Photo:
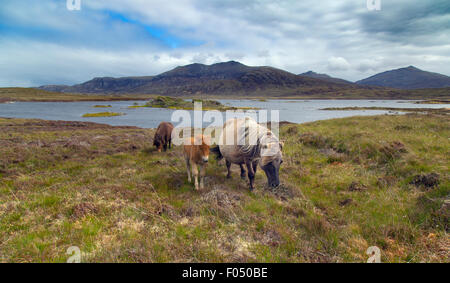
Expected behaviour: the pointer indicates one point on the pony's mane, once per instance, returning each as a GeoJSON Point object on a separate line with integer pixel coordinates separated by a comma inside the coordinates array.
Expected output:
{"type": "Point", "coordinates": [259, 134]}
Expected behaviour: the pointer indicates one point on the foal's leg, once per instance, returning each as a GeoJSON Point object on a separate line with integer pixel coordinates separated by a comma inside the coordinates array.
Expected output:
{"type": "Point", "coordinates": [202, 175]}
{"type": "Point", "coordinates": [242, 171]}
{"type": "Point", "coordinates": [188, 169]}
{"type": "Point", "coordinates": [251, 174]}
{"type": "Point", "coordinates": [228, 169]}
{"type": "Point", "coordinates": [195, 175]}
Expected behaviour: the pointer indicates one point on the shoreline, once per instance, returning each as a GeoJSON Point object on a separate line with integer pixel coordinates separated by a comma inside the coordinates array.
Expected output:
{"type": "Point", "coordinates": [106, 99]}
{"type": "Point", "coordinates": [66, 122]}
{"type": "Point", "coordinates": [36, 95]}
{"type": "Point", "coordinates": [96, 99]}
{"type": "Point", "coordinates": [407, 110]}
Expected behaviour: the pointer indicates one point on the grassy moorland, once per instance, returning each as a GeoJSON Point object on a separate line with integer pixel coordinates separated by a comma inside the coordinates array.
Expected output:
{"type": "Point", "coordinates": [37, 95]}
{"type": "Point", "coordinates": [347, 184]}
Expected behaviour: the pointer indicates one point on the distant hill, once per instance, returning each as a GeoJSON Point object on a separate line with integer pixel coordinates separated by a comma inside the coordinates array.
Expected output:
{"type": "Point", "coordinates": [102, 85]}
{"type": "Point", "coordinates": [233, 79]}
{"type": "Point", "coordinates": [324, 77]}
{"type": "Point", "coordinates": [407, 78]}
{"type": "Point", "coordinates": [221, 78]}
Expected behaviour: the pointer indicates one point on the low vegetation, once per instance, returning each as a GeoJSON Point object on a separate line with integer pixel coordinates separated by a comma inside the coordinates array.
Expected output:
{"type": "Point", "coordinates": [102, 106]}
{"type": "Point", "coordinates": [102, 114]}
{"type": "Point", "coordinates": [348, 184]}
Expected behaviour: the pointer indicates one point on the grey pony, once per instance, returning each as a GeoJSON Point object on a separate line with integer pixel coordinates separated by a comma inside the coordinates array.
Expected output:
{"type": "Point", "coordinates": [244, 142]}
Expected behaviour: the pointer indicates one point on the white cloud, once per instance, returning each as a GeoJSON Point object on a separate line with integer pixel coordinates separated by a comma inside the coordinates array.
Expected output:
{"type": "Point", "coordinates": [338, 64]}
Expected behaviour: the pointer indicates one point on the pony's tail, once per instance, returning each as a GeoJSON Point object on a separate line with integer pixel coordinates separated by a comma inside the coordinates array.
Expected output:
{"type": "Point", "coordinates": [216, 151]}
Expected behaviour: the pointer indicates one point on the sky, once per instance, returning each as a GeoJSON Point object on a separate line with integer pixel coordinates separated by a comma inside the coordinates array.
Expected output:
{"type": "Point", "coordinates": [44, 42]}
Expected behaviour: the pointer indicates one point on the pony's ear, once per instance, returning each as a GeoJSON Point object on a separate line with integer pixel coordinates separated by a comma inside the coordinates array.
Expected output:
{"type": "Point", "coordinates": [281, 145]}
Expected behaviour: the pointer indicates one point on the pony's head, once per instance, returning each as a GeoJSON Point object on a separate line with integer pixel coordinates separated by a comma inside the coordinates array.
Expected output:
{"type": "Point", "coordinates": [271, 159]}
{"type": "Point", "coordinates": [203, 143]}
{"type": "Point", "coordinates": [157, 142]}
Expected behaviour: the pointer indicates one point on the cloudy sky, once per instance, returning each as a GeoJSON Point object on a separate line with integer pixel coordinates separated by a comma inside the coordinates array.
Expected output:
{"type": "Point", "coordinates": [42, 42]}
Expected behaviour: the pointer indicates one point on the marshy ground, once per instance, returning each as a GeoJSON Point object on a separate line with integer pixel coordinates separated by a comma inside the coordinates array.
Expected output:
{"type": "Point", "coordinates": [348, 184]}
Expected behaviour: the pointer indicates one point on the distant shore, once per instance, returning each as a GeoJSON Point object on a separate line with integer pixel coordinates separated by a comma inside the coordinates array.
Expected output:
{"type": "Point", "coordinates": [37, 95]}
{"type": "Point", "coordinates": [416, 110]}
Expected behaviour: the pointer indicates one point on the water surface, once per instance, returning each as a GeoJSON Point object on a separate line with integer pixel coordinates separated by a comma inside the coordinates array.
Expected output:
{"type": "Point", "coordinates": [296, 111]}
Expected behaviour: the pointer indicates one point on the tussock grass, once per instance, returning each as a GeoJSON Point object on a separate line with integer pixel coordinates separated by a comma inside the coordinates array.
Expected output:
{"type": "Point", "coordinates": [106, 191]}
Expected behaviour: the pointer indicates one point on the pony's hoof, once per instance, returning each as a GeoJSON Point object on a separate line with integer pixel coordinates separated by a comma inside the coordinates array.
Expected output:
{"type": "Point", "coordinates": [243, 177]}
{"type": "Point", "coordinates": [228, 176]}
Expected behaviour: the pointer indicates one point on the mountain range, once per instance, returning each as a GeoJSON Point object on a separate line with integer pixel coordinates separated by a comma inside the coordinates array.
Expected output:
{"type": "Point", "coordinates": [234, 78]}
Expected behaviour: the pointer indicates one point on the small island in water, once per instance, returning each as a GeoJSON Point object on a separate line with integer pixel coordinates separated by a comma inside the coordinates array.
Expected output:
{"type": "Point", "coordinates": [182, 104]}
{"type": "Point", "coordinates": [102, 114]}
{"type": "Point", "coordinates": [396, 109]}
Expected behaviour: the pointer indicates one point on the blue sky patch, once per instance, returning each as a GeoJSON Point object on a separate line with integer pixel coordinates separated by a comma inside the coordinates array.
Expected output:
{"type": "Point", "coordinates": [157, 32]}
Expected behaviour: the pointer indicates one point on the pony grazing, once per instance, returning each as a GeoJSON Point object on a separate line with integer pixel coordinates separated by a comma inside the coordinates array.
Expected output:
{"type": "Point", "coordinates": [243, 141]}
{"type": "Point", "coordinates": [163, 136]}
{"type": "Point", "coordinates": [196, 154]}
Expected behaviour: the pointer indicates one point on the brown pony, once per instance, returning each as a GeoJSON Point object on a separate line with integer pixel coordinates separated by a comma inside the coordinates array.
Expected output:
{"type": "Point", "coordinates": [196, 153]}
{"type": "Point", "coordinates": [163, 136]}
